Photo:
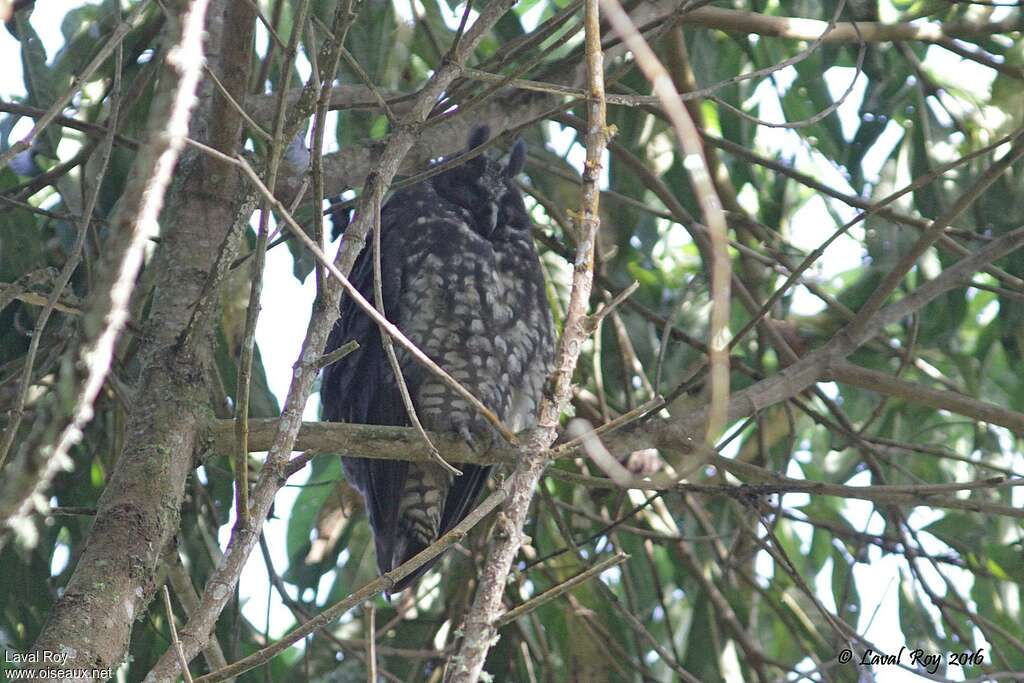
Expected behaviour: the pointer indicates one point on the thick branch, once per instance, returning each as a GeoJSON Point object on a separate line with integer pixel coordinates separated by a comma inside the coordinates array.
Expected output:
{"type": "Point", "coordinates": [890, 385]}
{"type": "Point", "coordinates": [366, 441]}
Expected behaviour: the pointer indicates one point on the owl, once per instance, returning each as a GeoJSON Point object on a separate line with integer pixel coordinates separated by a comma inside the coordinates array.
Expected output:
{"type": "Point", "coordinates": [461, 278]}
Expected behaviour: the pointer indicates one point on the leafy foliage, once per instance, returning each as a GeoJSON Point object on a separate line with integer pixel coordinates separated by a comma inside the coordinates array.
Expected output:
{"type": "Point", "coordinates": [725, 587]}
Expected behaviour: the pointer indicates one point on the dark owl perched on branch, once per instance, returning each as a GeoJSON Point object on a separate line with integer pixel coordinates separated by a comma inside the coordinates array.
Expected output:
{"type": "Point", "coordinates": [460, 277]}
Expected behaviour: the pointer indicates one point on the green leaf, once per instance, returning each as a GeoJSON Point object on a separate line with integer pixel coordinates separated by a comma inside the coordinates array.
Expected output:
{"type": "Point", "coordinates": [38, 79]}
{"type": "Point", "coordinates": [845, 590]}
{"type": "Point", "coordinates": [324, 474]}
{"type": "Point", "coordinates": [960, 531]}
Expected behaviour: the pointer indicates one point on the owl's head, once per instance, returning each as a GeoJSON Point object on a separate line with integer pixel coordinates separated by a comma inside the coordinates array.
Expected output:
{"type": "Point", "coordinates": [484, 190]}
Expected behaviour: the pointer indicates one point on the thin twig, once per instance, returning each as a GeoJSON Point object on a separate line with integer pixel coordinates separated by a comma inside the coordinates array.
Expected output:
{"type": "Point", "coordinates": [254, 127]}
{"type": "Point", "coordinates": [891, 385]}
{"type": "Point", "coordinates": [333, 49]}
{"type": "Point", "coordinates": [371, 642]}
{"type": "Point", "coordinates": [243, 384]}
{"type": "Point", "coordinates": [74, 258]}
{"type": "Point", "coordinates": [368, 82]}
{"type": "Point", "coordinates": [266, 24]}
{"type": "Point", "coordinates": [175, 643]}
{"type": "Point", "coordinates": [611, 305]}
{"type": "Point", "coordinates": [93, 130]}
{"type": "Point", "coordinates": [797, 28]}
{"type": "Point", "coordinates": [619, 422]}
{"type": "Point", "coordinates": [907, 260]}
{"type": "Point", "coordinates": [562, 588]}
{"type": "Point", "coordinates": [338, 353]}
{"type": "Point", "coordinates": [111, 43]}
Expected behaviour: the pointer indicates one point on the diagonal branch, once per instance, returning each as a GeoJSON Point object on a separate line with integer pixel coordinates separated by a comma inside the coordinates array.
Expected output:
{"type": "Point", "coordinates": [890, 385]}
{"type": "Point", "coordinates": [892, 279]}
{"type": "Point", "coordinates": [132, 21]}
{"type": "Point", "coordinates": [794, 379]}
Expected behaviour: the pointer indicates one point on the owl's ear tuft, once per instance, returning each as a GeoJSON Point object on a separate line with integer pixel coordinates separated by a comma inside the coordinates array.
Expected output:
{"type": "Point", "coordinates": [478, 137]}
{"type": "Point", "coordinates": [516, 158]}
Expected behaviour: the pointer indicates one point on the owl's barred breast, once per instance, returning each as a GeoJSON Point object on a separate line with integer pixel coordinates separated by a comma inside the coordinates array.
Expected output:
{"type": "Point", "coordinates": [461, 303]}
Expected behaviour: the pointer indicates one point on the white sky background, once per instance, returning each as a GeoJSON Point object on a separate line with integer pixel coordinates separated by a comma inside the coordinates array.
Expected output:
{"type": "Point", "coordinates": [286, 307]}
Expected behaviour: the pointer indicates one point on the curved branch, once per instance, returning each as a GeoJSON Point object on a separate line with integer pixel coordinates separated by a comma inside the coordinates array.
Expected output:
{"type": "Point", "coordinates": [797, 28]}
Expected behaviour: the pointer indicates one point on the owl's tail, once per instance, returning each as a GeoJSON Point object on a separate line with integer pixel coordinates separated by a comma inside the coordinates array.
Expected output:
{"type": "Point", "coordinates": [418, 522]}
{"type": "Point", "coordinates": [433, 501]}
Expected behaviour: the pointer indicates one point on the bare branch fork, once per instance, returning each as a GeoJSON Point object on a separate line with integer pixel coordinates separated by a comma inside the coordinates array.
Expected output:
{"type": "Point", "coordinates": [792, 380]}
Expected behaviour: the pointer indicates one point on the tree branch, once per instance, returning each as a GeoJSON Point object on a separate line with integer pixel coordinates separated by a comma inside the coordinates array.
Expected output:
{"type": "Point", "coordinates": [378, 585]}
{"type": "Point", "coordinates": [914, 392]}
{"type": "Point", "coordinates": [130, 22]}
{"type": "Point", "coordinates": [794, 379]}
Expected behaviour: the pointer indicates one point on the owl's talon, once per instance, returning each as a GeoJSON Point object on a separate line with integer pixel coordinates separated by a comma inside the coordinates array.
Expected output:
{"type": "Point", "coordinates": [467, 436]}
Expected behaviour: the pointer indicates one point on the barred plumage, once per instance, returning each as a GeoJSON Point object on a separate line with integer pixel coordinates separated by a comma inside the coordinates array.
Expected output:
{"type": "Point", "coordinates": [461, 278]}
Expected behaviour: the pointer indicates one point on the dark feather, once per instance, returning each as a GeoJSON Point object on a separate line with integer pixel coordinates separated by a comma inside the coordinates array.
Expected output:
{"type": "Point", "coordinates": [516, 158]}
{"type": "Point", "coordinates": [479, 136]}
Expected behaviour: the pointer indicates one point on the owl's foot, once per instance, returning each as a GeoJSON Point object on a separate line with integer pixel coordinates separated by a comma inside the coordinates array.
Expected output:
{"type": "Point", "coordinates": [478, 434]}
